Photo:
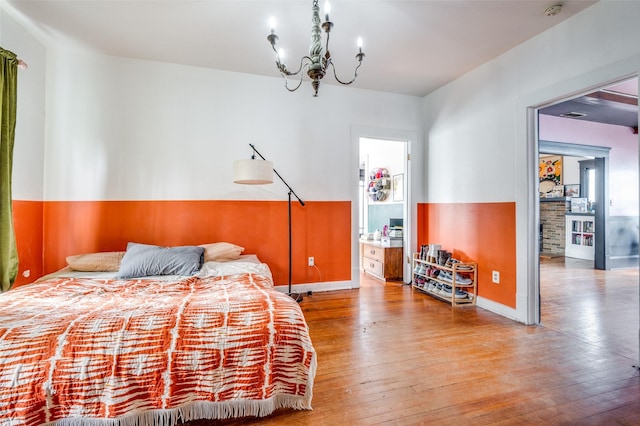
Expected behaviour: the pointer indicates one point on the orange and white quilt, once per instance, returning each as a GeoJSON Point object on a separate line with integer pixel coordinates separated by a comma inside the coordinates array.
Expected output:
{"type": "Point", "coordinates": [135, 352]}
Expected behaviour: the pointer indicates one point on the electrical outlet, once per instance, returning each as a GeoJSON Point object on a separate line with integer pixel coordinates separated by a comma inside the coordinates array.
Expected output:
{"type": "Point", "coordinates": [495, 277]}
{"type": "Point", "coordinates": [312, 261]}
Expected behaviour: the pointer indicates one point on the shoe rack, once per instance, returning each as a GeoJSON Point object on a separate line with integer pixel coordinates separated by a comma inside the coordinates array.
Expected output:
{"type": "Point", "coordinates": [453, 281]}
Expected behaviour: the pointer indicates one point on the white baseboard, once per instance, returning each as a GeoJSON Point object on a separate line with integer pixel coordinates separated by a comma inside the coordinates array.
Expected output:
{"type": "Point", "coordinates": [316, 287]}
{"type": "Point", "coordinates": [497, 308]}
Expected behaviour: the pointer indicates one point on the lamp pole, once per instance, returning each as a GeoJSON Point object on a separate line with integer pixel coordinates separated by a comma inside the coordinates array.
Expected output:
{"type": "Point", "coordinates": [296, 296]}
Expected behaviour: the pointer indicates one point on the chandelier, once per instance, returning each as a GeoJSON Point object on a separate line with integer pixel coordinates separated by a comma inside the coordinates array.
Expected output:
{"type": "Point", "coordinates": [316, 63]}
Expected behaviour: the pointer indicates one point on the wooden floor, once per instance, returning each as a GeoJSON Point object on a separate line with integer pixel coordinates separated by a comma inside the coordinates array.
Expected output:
{"type": "Point", "coordinates": [391, 355]}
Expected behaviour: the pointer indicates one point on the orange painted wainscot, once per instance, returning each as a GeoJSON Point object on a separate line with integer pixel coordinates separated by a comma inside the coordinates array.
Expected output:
{"type": "Point", "coordinates": [321, 229]}
{"type": "Point", "coordinates": [27, 224]}
{"type": "Point", "coordinates": [481, 232]}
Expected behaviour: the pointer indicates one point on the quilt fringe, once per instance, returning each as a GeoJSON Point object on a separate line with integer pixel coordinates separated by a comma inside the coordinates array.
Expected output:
{"type": "Point", "coordinates": [196, 411]}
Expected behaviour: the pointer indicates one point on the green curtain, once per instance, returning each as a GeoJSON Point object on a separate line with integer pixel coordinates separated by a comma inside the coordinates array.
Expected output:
{"type": "Point", "coordinates": [8, 102]}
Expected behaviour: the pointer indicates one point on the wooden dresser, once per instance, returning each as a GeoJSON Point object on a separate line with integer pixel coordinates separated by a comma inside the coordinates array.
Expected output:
{"type": "Point", "coordinates": [384, 263]}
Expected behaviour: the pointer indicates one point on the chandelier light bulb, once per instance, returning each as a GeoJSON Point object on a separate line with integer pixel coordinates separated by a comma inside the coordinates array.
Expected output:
{"type": "Point", "coordinates": [359, 43]}
{"type": "Point", "coordinates": [272, 24]}
{"type": "Point", "coordinates": [281, 54]}
{"type": "Point", "coordinates": [327, 10]}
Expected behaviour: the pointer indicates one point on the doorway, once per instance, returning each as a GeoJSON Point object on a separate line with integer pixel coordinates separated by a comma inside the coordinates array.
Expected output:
{"type": "Point", "coordinates": [574, 220]}
{"type": "Point", "coordinates": [607, 143]}
{"type": "Point", "coordinates": [383, 197]}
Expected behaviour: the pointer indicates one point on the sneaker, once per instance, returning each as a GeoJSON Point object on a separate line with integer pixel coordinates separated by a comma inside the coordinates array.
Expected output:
{"type": "Point", "coordinates": [419, 269]}
{"type": "Point", "coordinates": [461, 294]}
{"type": "Point", "coordinates": [445, 276]}
{"type": "Point", "coordinates": [446, 291]}
{"type": "Point", "coordinates": [464, 267]}
{"type": "Point", "coordinates": [460, 279]}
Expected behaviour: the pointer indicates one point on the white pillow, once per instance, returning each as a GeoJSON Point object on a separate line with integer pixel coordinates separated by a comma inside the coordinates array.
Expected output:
{"type": "Point", "coordinates": [219, 269]}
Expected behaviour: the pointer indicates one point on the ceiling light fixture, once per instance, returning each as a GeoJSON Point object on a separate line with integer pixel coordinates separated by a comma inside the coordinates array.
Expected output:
{"type": "Point", "coordinates": [315, 64]}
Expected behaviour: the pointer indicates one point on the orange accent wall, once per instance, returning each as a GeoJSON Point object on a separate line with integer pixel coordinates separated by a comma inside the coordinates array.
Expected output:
{"type": "Point", "coordinates": [27, 224]}
{"type": "Point", "coordinates": [481, 232]}
{"type": "Point", "coordinates": [320, 229]}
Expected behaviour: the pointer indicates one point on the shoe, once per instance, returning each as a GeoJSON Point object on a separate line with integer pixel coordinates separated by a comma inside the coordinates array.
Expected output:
{"type": "Point", "coordinates": [464, 267]}
{"type": "Point", "coordinates": [461, 294]}
{"type": "Point", "coordinates": [446, 291]}
{"type": "Point", "coordinates": [423, 251]}
{"type": "Point", "coordinates": [460, 279]}
{"type": "Point", "coordinates": [459, 265]}
{"type": "Point", "coordinates": [419, 269]}
{"type": "Point", "coordinates": [445, 276]}
{"type": "Point", "coordinates": [443, 257]}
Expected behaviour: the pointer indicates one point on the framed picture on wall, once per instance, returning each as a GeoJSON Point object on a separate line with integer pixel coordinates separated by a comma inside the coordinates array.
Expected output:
{"type": "Point", "coordinates": [550, 168]}
{"type": "Point", "coordinates": [398, 187]}
{"type": "Point", "coordinates": [572, 190]}
{"type": "Point", "coordinates": [556, 192]}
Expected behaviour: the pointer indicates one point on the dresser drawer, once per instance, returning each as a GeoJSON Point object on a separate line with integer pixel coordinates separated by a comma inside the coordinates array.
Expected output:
{"type": "Point", "coordinates": [375, 253]}
{"type": "Point", "coordinates": [373, 266]}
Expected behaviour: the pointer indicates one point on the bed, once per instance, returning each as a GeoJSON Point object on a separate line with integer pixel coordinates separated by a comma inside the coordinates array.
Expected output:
{"type": "Point", "coordinates": [91, 347]}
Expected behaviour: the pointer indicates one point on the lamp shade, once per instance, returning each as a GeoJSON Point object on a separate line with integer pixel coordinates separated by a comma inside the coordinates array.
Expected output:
{"type": "Point", "coordinates": [252, 172]}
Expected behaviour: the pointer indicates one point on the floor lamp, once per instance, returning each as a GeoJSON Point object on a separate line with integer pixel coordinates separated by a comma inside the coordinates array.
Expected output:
{"type": "Point", "coordinates": [260, 172]}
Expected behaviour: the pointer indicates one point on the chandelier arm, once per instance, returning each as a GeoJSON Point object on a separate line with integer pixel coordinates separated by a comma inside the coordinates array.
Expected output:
{"type": "Point", "coordinates": [283, 68]}
{"type": "Point", "coordinates": [286, 81]}
{"type": "Point", "coordinates": [355, 74]}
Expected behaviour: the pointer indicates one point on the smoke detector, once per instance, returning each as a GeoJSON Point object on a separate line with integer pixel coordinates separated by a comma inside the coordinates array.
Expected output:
{"type": "Point", "coordinates": [553, 10]}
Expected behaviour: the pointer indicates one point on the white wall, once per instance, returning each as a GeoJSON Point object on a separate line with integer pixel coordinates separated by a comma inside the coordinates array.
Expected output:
{"type": "Point", "coordinates": [133, 129]}
{"type": "Point", "coordinates": [571, 170]}
{"type": "Point", "coordinates": [379, 153]}
{"type": "Point", "coordinates": [479, 122]}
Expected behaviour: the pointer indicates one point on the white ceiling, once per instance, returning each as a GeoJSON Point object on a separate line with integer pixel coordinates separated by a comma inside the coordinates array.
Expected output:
{"type": "Point", "coordinates": [411, 47]}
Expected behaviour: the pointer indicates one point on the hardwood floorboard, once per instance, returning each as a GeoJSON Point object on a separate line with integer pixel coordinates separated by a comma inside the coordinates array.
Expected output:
{"type": "Point", "coordinates": [390, 356]}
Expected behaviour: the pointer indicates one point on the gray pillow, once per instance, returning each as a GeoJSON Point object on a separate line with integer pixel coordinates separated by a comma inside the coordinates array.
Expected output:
{"type": "Point", "coordinates": [142, 260]}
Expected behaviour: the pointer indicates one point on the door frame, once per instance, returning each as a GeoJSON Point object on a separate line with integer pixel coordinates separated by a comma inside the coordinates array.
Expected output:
{"type": "Point", "coordinates": [410, 140]}
{"type": "Point", "coordinates": [531, 104]}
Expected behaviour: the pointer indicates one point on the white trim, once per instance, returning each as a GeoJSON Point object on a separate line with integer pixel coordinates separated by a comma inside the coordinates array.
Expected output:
{"type": "Point", "coordinates": [497, 308]}
{"type": "Point", "coordinates": [317, 287]}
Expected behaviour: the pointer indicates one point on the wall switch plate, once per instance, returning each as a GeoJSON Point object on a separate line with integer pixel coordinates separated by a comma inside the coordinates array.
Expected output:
{"type": "Point", "coordinates": [495, 277]}
{"type": "Point", "coordinates": [312, 261]}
